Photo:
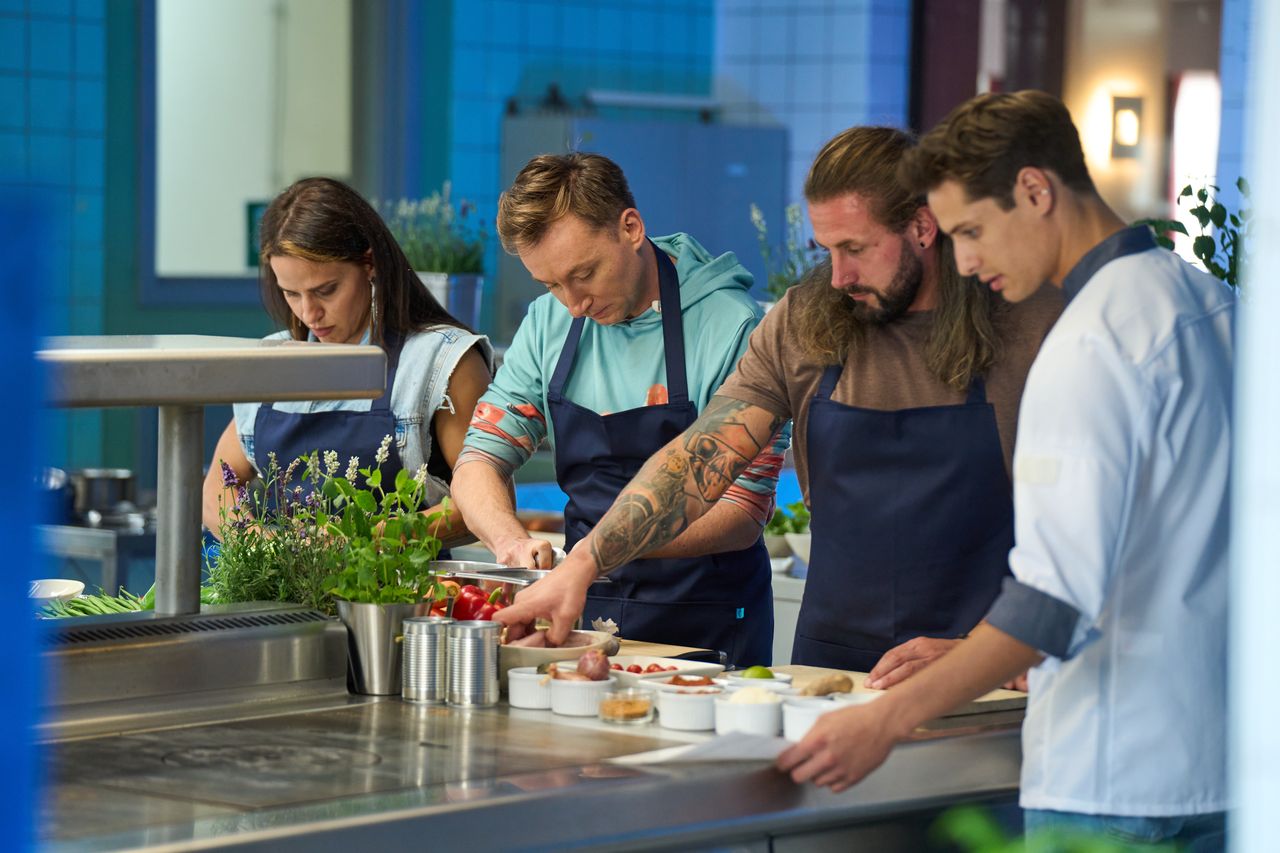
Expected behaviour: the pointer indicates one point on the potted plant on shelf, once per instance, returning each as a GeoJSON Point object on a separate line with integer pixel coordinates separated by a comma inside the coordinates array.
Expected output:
{"type": "Point", "coordinates": [347, 542]}
{"type": "Point", "coordinates": [445, 246]}
{"type": "Point", "coordinates": [786, 264]}
{"type": "Point", "coordinates": [787, 533]}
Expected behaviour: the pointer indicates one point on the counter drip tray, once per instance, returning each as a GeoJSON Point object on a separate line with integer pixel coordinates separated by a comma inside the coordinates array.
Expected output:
{"type": "Point", "coordinates": [137, 671]}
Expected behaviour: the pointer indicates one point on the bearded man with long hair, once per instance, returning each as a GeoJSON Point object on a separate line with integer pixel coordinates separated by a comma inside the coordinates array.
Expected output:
{"type": "Point", "coordinates": [903, 379]}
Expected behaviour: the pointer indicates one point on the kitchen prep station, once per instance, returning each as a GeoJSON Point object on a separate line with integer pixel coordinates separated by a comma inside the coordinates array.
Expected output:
{"type": "Point", "coordinates": [231, 726]}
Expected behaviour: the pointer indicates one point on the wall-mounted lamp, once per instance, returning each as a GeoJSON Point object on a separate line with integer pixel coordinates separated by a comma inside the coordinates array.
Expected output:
{"type": "Point", "coordinates": [1126, 127]}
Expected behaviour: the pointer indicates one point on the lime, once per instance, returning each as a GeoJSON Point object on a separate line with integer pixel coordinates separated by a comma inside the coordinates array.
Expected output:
{"type": "Point", "coordinates": [757, 672]}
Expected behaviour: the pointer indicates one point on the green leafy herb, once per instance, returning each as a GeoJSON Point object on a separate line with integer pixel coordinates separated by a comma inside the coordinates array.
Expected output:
{"type": "Point", "coordinates": [794, 518]}
{"type": "Point", "coordinates": [434, 236]}
{"type": "Point", "coordinates": [786, 264]}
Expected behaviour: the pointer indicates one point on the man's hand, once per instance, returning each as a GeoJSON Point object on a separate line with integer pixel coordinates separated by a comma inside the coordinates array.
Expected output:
{"type": "Point", "coordinates": [842, 747]}
{"type": "Point", "coordinates": [559, 597]}
{"type": "Point", "coordinates": [525, 552]}
{"type": "Point", "coordinates": [902, 662]}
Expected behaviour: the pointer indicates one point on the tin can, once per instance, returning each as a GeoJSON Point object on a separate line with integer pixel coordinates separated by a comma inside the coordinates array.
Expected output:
{"type": "Point", "coordinates": [473, 663]}
{"type": "Point", "coordinates": [425, 658]}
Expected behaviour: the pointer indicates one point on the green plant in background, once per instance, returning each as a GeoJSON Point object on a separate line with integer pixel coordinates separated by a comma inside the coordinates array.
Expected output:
{"type": "Point", "coordinates": [1223, 242]}
{"type": "Point", "coordinates": [974, 830]}
{"type": "Point", "coordinates": [436, 237]}
{"type": "Point", "coordinates": [794, 518]}
{"type": "Point", "coordinates": [307, 545]}
{"type": "Point", "coordinates": [793, 258]}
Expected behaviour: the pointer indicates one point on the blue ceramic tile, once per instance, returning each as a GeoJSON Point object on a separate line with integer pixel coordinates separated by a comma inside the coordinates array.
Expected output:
{"type": "Point", "coordinates": [13, 44]}
{"type": "Point", "coordinates": [13, 101]}
{"type": "Point", "coordinates": [810, 83]}
{"type": "Point", "coordinates": [91, 9]}
{"type": "Point", "coordinates": [580, 29]}
{"type": "Point", "coordinates": [91, 105]}
{"type": "Point", "coordinates": [90, 48]}
{"type": "Point", "coordinates": [49, 159]}
{"type": "Point", "coordinates": [50, 107]}
{"type": "Point", "coordinates": [13, 6]}
{"type": "Point", "coordinates": [86, 217]}
{"type": "Point", "coordinates": [90, 155]}
{"type": "Point", "coordinates": [13, 156]}
{"type": "Point", "coordinates": [506, 23]}
{"type": "Point", "coordinates": [53, 8]}
{"type": "Point", "coordinates": [50, 46]}
{"type": "Point", "coordinates": [542, 28]}
{"type": "Point", "coordinates": [469, 21]}
{"type": "Point", "coordinates": [86, 273]}
{"type": "Point", "coordinates": [610, 29]}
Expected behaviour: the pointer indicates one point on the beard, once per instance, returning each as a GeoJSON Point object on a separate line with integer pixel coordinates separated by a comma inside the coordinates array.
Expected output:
{"type": "Point", "coordinates": [894, 301]}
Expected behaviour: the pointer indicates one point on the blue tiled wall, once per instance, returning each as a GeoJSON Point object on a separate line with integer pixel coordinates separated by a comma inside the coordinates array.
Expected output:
{"type": "Point", "coordinates": [815, 67]}
{"type": "Point", "coordinates": [52, 123]}
{"type": "Point", "coordinates": [515, 48]}
{"type": "Point", "coordinates": [1234, 75]}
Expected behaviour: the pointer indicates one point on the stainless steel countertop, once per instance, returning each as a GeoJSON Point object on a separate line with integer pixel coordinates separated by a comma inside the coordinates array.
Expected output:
{"type": "Point", "coordinates": [361, 773]}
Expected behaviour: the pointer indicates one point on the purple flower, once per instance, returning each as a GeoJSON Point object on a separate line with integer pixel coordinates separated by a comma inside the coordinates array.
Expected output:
{"type": "Point", "coordinates": [229, 478]}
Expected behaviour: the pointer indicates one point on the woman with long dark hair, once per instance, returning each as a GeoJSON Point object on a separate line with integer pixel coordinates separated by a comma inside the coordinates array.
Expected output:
{"type": "Point", "coordinates": [332, 272]}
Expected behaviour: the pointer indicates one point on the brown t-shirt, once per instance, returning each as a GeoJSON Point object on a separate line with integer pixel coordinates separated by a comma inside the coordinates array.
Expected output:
{"type": "Point", "coordinates": [887, 371]}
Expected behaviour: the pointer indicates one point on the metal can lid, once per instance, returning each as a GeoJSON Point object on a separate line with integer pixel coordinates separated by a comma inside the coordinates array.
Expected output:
{"type": "Point", "coordinates": [474, 628]}
{"type": "Point", "coordinates": [426, 624]}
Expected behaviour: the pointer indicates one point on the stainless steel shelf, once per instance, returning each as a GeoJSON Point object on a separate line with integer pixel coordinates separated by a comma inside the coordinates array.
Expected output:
{"type": "Point", "coordinates": [157, 370]}
{"type": "Point", "coordinates": [180, 374]}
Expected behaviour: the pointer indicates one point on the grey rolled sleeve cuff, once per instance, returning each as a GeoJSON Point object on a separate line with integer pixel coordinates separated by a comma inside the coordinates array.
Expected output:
{"type": "Point", "coordinates": [1043, 622]}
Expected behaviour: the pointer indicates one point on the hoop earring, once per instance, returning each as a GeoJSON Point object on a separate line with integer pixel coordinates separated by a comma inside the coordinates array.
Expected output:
{"type": "Point", "coordinates": [373, 304]}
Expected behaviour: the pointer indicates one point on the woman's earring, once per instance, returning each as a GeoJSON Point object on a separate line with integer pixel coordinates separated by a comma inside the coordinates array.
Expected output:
{"type": "Point", "coordinates": [373, 301]}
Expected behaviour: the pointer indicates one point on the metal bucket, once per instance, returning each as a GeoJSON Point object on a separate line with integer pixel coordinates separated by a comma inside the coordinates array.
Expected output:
{"type": "Point", "coordinates": [374, 634]}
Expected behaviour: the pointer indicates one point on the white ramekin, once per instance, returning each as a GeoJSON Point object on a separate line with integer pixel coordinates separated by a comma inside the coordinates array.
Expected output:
{"type": "Point", "coordinates": [578, 698]}
{"type": "Point", "coordinates": [688, 710]}
{"type": "Point", "coordinates": [757, 719]}
{"type": "Point", "coordinates": [799, 713]}
{"type": "Point", "coordinates": [528, 688]}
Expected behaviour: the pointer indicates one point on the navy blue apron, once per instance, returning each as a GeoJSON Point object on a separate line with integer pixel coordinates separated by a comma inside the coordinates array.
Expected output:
{"type": "Point", "coordinates": [912, 525]}
{"type": "Point", "coordinates": [351, 433]}
{"type": "Point", "coordinates": [721, 601]}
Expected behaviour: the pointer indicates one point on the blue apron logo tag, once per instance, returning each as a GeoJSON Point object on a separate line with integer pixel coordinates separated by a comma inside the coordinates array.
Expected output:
{"type": "Point", "coordinates": [742, 611]}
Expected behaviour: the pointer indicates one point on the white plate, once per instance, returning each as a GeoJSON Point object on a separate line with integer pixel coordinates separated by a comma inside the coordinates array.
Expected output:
{"type": "Point", "coordinates": [682, 667]}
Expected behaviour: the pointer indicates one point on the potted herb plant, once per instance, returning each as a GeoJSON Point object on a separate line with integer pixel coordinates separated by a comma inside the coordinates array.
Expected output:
{"type": "Point", "coordinates": [445, 246]}
{"type": "Point", "coordinates": [336, 539]}
{"type": "Point", "coordinates": [787, 532]}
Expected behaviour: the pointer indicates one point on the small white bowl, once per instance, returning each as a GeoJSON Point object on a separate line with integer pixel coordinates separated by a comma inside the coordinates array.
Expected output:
{"type": "Point", "coordinates": [780, 683]}
{"type": "Point", "coordinates": [528, 688]}
{"type": "Point", "coordinates": [43, 592]}
{"type": "Point", "coordinates": [800, 543]}
{"type": "Point", "coordinates": [860, 698]}
{"type": "Point", "coordinates": [578, 698]}
{"type": "Point", "coordinates": [688, 709]}
{"type": "Point", "coordinates": [801, 712]}
{"type": "Point", "coordinates": [755, 719]}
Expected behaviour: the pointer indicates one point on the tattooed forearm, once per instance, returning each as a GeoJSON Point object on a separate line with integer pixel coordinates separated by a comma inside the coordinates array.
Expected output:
{"type": "Point", "coordinates": [681, 481]}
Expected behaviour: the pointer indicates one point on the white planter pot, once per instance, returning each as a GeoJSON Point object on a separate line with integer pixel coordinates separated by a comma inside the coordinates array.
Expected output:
{"type": "Point", "coordinates": [461, 294]}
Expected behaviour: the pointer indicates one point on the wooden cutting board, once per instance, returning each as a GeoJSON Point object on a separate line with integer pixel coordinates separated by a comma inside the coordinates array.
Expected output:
{"type": "Point", "coordinates": [996, 700]}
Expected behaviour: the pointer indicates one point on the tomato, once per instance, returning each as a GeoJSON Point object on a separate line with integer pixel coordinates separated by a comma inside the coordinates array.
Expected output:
{"type": "Point", "coordinates": [635, 667]}
{"type": "Point", "coordinates": [671, 669]}
{"type": "Point", "coordinates": [653, 667]}
{"type": "Point", "coordinates": [617, 666]}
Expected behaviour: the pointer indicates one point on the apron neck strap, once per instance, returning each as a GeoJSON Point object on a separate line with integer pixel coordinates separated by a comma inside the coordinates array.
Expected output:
{"type": "Point", "coordinates": [672, 337]}
{"type": "Point", "coordinates": [977, 391]}
{"type": "Point", "coordinates": [393, 345]}
{"type": "Point", "coordinates": [830, 377]}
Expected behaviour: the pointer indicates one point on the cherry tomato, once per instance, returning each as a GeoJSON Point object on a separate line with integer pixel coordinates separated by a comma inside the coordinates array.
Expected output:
{"type": "Point", "coordinates": [617, 666]}
{"type": "Point", "coordinates": [653, 667]}
{"type": "Point", "coordinates": [671, 669]}
{"type": "Point", "coordinates": [635, 667]}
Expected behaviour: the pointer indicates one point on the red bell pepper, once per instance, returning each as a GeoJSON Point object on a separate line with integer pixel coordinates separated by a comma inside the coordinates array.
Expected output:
{"type": "Point", "coordinates": [469, 601]}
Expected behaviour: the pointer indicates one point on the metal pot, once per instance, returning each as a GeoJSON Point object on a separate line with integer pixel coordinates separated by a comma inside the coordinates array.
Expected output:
{"type": "Point", "coordinates": [102, 489]}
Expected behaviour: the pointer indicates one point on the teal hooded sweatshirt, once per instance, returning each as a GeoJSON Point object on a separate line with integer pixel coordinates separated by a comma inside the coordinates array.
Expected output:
{"type": "Point", "coordinates": [623, 366]}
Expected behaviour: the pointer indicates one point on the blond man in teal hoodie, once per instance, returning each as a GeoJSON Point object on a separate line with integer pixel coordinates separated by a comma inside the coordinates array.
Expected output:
{"type": "Point", "coordinates": [626, 349]}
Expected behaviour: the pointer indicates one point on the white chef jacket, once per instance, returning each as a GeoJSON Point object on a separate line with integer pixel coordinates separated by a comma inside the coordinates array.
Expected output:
{"type": "Point", "coordinates": [1121, 508]}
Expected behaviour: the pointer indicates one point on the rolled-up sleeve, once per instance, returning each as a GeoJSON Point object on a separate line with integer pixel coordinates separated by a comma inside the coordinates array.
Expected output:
{"type": "Point", "coordinates": [509, 421]}
{"type": "Point", "coordinates": [1075, 450]}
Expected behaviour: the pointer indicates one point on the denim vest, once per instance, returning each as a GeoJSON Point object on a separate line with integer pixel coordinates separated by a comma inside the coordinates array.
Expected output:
{"type": "Point", "coordinates": [421, 389]}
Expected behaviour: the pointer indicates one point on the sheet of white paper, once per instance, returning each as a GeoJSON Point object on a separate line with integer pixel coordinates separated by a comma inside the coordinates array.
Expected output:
{"type": "Point", "coordinates": [730, 747]}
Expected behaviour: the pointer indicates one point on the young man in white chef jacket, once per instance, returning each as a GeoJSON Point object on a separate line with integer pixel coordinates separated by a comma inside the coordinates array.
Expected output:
{"type": "Point", "coordinates": [1121, 481]}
